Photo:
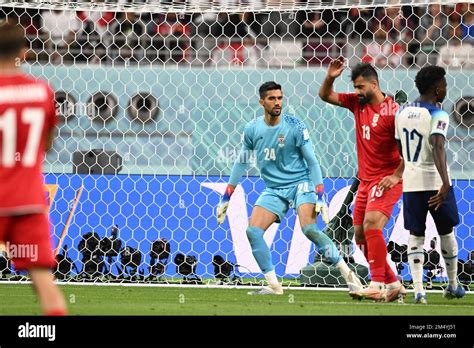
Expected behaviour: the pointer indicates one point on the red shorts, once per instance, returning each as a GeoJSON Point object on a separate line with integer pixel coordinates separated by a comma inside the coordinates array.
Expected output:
{"type": "Point", "coordinates": [28, 241]}
{"type": "Point", "coordinates": [370, 198]}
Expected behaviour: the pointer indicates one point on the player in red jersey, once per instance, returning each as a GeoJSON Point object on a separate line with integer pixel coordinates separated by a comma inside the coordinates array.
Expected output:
{"type": "Point", "coordinates": [380, 171]}
{"type": "Point", "coordinates": [27, 120]}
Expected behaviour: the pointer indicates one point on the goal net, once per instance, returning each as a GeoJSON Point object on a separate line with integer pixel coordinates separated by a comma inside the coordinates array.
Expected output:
{"type": "Point", "coordinates": [153, 97]}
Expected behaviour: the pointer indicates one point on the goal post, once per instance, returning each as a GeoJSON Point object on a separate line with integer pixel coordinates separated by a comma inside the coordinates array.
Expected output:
{"type": "Point", "coordinates": [153, 97]}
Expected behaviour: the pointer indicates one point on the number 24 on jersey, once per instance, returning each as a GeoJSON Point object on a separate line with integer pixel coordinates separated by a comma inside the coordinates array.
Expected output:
{"type": "Point", "coordinates": [269, 154]}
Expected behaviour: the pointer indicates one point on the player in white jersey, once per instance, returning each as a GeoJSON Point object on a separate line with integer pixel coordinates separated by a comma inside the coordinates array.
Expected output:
{"type": "Point", "coordinates": [420, 130]}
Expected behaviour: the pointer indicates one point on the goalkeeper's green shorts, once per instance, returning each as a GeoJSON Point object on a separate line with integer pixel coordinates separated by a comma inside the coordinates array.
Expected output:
{"type": "Point", "coordinates": [278, 201]}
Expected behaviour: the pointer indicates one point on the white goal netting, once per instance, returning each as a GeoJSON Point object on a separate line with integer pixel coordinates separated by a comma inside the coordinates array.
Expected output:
{"type": "Point", "coordinates": [153, 97]}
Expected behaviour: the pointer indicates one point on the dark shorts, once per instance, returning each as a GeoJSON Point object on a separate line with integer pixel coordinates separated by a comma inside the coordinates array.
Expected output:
{"type": "Point", "coordinates": [415, 209]}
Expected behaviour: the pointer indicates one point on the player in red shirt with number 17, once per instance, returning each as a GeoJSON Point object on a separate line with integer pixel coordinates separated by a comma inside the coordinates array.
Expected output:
{"type": "Point", "coordinates": [27, 120]}
{"type": "Point", "coordinates": [380, 171]}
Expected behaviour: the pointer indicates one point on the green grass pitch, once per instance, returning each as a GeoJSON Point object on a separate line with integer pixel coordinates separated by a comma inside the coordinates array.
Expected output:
{"type": "Point", "coordinates": [19, 299]}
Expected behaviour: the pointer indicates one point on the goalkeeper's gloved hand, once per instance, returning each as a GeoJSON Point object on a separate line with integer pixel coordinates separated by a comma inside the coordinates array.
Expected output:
{"type": "Point", "coordinates": [321, 205]}
{"type": "Point", "coordinates": [224, 204]}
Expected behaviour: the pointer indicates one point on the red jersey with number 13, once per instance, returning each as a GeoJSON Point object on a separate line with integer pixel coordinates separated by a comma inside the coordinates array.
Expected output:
{"type": "Point", "coordinates": [27, 114]}
{"type": "Point", "coordinates": [377, 151]}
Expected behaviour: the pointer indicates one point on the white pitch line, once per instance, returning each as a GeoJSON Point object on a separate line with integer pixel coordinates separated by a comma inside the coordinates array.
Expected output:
{"type": "Point", "coordinates": [297, 302]}
{"type": "Point", "coordinates": [205, 286]}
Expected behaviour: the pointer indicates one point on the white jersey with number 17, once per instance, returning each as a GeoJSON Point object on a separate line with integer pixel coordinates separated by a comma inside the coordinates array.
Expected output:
{"type": "Point", "coordinates": [414, 124]}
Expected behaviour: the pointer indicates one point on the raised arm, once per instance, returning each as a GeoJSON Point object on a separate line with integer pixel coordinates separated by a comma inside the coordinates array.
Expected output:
{"type": "Point", "coordinates": [326, 91]}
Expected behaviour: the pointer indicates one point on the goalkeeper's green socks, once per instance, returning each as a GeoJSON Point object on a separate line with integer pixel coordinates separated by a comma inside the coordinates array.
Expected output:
{"type": "Point", "coordinates": [260, 249]}
{"type": "Point", "coordinates": [262, 255]}
{"type": "Point", "coordinates": [324, 244]}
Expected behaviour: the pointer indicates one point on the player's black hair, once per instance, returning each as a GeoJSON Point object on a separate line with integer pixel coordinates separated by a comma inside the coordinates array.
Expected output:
{"type": "Point", "coordinates": [268, 86]}
{"type": "Point", "coordinates": [365, 70]}
{"type": "Point", "coordinates": [12, 39]}
{"type": "Point", "coordinates": [428, 77]}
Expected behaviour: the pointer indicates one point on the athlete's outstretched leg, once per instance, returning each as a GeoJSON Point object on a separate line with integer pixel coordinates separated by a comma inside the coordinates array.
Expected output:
{"type": "Point", "coordinates": [260, 220]}
{"type": "Point", "coordinates": [325, 245]}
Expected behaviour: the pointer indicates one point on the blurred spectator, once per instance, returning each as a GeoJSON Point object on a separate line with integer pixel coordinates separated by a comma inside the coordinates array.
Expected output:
{"type": "Point", "coordinates": [314, 25]}
{"type": "Point", "coordinates": [399, 28]}
{"type": "Point", "coordinates": [433, 25]}
{"type": "Point", "coordinates": [456, 53]}
{"type": "Point", "coordinates": [381, 52]}
{"type": "Point", "coordinates": [95, 22]}
{"type": "Point", "coordinates": [30, 20]}
{"type": "Point", "coordinates": [91, 36]}
{"type": "Point", "coordinates": [358, 23]}
{"type": "Point", "coordinates": [232, 25]}
{"type": "Point", "coordinates": [254, 26]}
{"type": "Point", "coordinates": [208, 28]}
{"type": "Point", "coordinates": [60, 28]}
{"type": "Point", "coordinates": [125, 33]}
{"type": "Point", "coordinates": [205, 28]}
{"type": "Point", "coordinates": [327, 23]}
{"type": "Point", "coordinates": [230, 37]}
{"type": "Point", "coordinates": [244, 53]}
{"type": "Point", "coordinates": [128, 24]}
{"type": "Point", "coordinates": [237, 45]}
{"type": "Point", "coordinates": [172, 26]}
{"type": "Point", "coordinates": [334, 20]}
{"type": "Point", "coordinates": [432, 33]}
{"type": "Point", "coordinates": [279, 24]}
{"type": "Point", "coordinates": [176, 39]}
{"type": "Point", "coordinates": [324, 34]}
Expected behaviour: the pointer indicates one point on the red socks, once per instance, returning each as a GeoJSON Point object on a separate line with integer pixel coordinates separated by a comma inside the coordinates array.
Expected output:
{"type": "Point", "coordinates": [363, 247]}
{"type": "Point", "coordinates": [388, 275]}
{"type": "Point", "coordinates": [56, 313]}
{"type": "Point", "coordinates": [377, 254]}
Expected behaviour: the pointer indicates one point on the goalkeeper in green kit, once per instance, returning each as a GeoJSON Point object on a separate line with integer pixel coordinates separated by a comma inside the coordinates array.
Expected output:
{"type": "Point", "coordinates": [292, 176]}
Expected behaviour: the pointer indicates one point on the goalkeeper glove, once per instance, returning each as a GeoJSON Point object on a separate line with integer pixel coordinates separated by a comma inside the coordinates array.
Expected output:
{"type": "Point", "coordinates": [321, 205]}
{"type": "Point", "coordinates": [224, 204]}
